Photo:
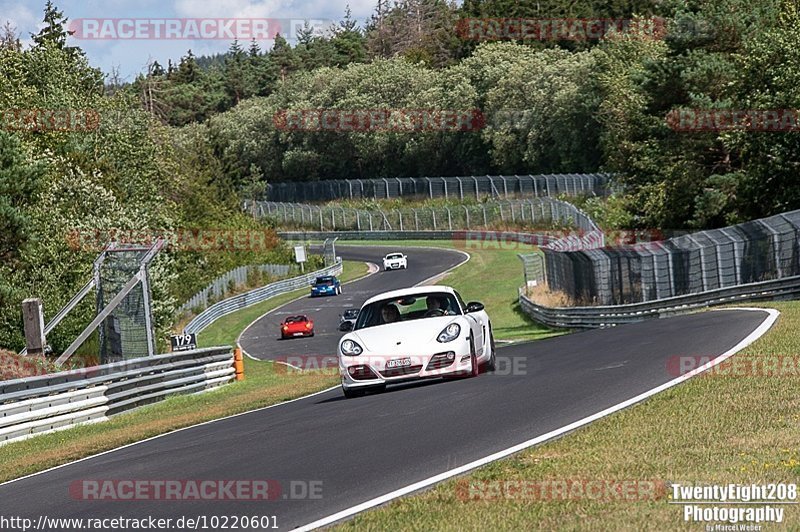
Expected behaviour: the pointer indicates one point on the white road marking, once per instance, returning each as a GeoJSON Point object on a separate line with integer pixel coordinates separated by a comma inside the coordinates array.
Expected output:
{"type": "Point", "coordinates": [772, 315]}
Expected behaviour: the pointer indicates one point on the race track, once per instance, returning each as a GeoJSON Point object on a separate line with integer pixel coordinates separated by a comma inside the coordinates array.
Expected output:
{"type": "Point", "coordinates": [262, 339]}
{"type": "Point", "coordinates": [363, 448]}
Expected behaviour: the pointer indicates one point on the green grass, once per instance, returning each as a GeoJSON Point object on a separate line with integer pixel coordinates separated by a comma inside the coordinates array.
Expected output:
{"type": "Point", "coordinates": [226, 330]}
{"type": "Point", "coordinates": [263, 386]}
{"type": "Point", "coordinates": [710, 430]}
{"type": "Point", "coordinates": [492, 276]}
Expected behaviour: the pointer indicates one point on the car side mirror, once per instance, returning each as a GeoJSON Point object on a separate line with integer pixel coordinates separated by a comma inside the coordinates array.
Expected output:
{"type": "Point", "coordinates": [346, 326]}
{"type": "Point", "coordinates": [474, 306]}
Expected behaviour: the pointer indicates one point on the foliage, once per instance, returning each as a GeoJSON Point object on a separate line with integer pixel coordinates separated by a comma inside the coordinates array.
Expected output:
{"type": "Point", "coordinates": [59, 188]}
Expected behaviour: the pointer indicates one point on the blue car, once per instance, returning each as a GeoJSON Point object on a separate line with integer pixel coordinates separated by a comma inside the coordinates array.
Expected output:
{"type": "Point", "coordinates": [326, 286]}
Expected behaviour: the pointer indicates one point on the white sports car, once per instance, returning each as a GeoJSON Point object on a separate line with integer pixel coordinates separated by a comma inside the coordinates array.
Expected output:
{"type": "Point", "coordinates": [395, 261]}
{"type": "Point", "coordinates": [415, 333]}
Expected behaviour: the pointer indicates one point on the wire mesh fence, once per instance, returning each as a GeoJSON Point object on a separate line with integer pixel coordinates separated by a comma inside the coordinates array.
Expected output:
{"type": "Point", "coordinates": [751, 252]}
{"type": "Point", "coordinates": [543, 212]}
{"type": "Point", "coordinates": [533, 268]}
{"type": "Point", "coordinates": [128, 330]}
{"type": "Point", "coordinates": [442, 187]}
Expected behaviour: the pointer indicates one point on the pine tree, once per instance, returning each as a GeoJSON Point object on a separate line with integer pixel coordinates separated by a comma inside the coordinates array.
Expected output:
{"type": "Point", "coordinates": [9, 38]}
{"type": "Point", "coordinates": [284, 56]}
{"type": "Point", "coordinates": [54, 33]}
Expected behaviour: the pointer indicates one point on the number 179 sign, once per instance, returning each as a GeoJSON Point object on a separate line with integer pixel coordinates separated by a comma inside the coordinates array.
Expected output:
{"type": "Point", "coordinates": [183, 342]}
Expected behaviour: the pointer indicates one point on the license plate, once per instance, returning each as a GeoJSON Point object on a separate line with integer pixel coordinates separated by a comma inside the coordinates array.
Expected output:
{"type": "Point", "coordinates": [398, 363]}
{"type": "Point", "coordinates": [298, 334]}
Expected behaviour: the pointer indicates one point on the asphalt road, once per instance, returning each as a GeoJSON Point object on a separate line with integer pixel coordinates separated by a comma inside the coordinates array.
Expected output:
{"type": "Point", "coordinates": [354, 450]}
{"type": "Point", "coordinates": [262, 339]}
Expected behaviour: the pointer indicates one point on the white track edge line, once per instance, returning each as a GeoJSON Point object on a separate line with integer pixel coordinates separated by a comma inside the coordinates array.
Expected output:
{"type": "Point", "coordinates": [157, 436]}
{"type": "Point", "coordinates": [298, 298]}
{"type": "Point", "coordinates": [772, 316]}
{"type": "Point", "coordinates": [205, 422]}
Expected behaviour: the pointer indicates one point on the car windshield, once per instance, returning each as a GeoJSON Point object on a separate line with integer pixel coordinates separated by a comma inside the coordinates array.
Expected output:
{"type": "Point", "coordinates": [406, 308]}
{"type": "Point", "coordinates": [295, 319]}
{"type": "Point", "coordinates": [324, 281]}
{"type": "Point", "coordinates": [394, 256]}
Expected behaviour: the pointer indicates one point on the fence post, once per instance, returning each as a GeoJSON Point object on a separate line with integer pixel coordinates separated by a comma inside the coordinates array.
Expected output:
{"type": "Point", "coordinates": [33, 322]}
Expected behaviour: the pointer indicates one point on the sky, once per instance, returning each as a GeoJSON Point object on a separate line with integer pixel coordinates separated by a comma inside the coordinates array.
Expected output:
{"type": "Point", "coordinates": [103, 25]}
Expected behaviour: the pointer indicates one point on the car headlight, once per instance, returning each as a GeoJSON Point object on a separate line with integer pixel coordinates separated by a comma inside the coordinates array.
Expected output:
{"type": "Point", "coordinates": [350, 348]}
{"type": "Point", "coordinates": [449, 333]}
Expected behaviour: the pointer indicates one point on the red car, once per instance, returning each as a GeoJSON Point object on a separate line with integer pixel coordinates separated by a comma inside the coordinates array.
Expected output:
{"type": "Point", "coordinates": [297, 326]}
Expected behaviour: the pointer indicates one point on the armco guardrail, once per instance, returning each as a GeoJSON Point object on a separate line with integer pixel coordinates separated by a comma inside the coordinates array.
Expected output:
{"type": "Point", "coordinates": [609, 316]}
{"type": "Point", "coordinates": [237, 276]}
{"type": "Point", "coordinates": [35, 405]}
{"type": "Point", "coordinates": [232, 304]}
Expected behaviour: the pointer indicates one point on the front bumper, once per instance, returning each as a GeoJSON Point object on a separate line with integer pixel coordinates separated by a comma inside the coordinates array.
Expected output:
{"type": "Point", "coordinates": [393, 265]}
{"type": "Point", "coordinates": [370, 370]}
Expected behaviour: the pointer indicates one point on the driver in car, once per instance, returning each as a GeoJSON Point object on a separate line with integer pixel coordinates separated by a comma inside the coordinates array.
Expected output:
{"type": "Point", "coordinates": [390, 313]}
{"type": "Point", "coordinates": [436, 306]}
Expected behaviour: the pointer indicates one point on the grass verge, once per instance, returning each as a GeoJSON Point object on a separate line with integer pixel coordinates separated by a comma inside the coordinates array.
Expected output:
{"type": "Point", "coordinates": [226, 330]}
{"type": "Point", "coordinates": [729, 426]}
{"type": "Point", "coordinates": [262, 387]}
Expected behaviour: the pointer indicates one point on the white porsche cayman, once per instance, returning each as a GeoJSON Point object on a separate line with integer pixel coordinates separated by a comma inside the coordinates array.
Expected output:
{"type": "Point", "coordinates": [415, 333]}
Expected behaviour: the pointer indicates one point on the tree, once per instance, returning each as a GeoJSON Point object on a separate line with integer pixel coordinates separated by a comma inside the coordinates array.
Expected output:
{"type": "Point", "coordinates": [254, 187]}
{"type": "Point", "coordinates": [9, 39]}
{"type": "Point", "coordinates": [284, 57]}
{"type": "Point", "coordinates": [19, 180]}
{"type": "Point", "coordinates": [54, 33]}
{"type": "Point", "coordinates": [235, 74]}
{"type": "Point", "coordinates": [421, 30]}
{"type": "Point", "coordinates": [348, 41]}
